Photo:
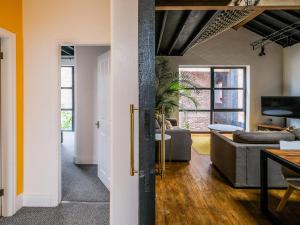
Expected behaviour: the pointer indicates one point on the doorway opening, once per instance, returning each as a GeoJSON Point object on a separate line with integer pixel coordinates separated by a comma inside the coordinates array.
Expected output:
{"type": "Point", "coordinates": [85, 124]}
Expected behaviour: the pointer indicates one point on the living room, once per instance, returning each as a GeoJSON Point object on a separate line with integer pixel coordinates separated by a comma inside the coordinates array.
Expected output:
{"type": "Point", "coordinates": [224, 86]}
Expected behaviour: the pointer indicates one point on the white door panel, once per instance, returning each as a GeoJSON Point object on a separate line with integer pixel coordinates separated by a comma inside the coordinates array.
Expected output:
{"type": "Point", "coordinates": [102, 115]}
{"type": "Point", "coordinates": [125, 91]}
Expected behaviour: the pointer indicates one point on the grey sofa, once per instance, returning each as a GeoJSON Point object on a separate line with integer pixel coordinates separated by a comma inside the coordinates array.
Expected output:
{"type": "Point", "coordinates": [181, 141]}
{"type": "Point", "coordinates": [240, 162]}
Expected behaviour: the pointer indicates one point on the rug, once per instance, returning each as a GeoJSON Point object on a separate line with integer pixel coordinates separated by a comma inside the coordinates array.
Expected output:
{"type": "Point", "coordinates": [80, 183]}
{"type": "Point", "coordinates": [201, 143]}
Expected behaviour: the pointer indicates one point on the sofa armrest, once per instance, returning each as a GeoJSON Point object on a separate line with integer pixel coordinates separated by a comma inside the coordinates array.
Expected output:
{"type": "Point", "coordinates": [181, 141]}
{"type": "Point", "coordinates": [240, 162]}
{"type": "Point", "coordinates": [230, 158]}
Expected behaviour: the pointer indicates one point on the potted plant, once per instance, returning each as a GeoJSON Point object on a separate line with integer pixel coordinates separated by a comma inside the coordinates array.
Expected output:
{"type": "Point", "coordinates": [170, 87]}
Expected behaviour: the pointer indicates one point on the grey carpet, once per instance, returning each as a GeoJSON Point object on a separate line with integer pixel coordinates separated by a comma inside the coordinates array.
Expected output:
{"type": "Point", "coordinates": [80, 182]}
{"type": "Point", "coordinates": [64, 214]}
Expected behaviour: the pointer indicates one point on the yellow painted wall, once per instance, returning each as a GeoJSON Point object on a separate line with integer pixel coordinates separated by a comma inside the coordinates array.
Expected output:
{"type": "Point", "coordinates": [11, 19]}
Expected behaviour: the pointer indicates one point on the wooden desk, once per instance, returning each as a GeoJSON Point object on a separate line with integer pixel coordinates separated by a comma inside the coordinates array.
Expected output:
{"type": "Point", "coordinates": [288, 158]}
{"type": "Point", "coordinates": [269, 127]}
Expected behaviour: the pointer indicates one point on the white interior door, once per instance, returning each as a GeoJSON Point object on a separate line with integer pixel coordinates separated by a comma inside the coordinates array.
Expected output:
{"type": "Point", "coordinates": [102, 118]}
{"type": "Point", "coordinates": [124, 208]}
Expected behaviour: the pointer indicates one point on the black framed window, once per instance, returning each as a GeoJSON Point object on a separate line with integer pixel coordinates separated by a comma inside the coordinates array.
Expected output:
{"type": "Point", "coordinates": [67, 98]}
{"type": "Point", "coordinates": [221, 96]}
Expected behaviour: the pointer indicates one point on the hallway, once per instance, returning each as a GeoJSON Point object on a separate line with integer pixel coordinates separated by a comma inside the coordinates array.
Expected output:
{"type": "Point", "coordinates": [85, 199]}
{"type": "Point", "coordinates": [67, 214]}
{"type": "Point", "coordinates": [80, 183]}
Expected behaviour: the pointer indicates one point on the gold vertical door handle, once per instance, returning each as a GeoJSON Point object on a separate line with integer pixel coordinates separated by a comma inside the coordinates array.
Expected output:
{"type": "Point", "coordinates": [163, 145]}
{"type": "Point", "coordinates": [132, 170]}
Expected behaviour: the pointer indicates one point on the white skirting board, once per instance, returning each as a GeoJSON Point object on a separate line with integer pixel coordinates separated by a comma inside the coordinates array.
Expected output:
{"type": "Point", "coordinates": [19, 202]}
{"type": "Point", "coordinates": [35, 200]}
{"type": "Point", "coordinates": [104, 178]}
{"type": "Point", "coordinates": [84, 161]}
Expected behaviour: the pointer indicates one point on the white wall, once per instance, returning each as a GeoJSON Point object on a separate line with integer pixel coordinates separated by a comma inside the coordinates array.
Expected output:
{"type": "Point", "coordinates": [85, 91]}
{"type": "Point", "coordinates": [233, 48]}
{"type": "Point", "coordinates": [291, 75]}
{"type": "Point", "coordinates": [46, 25]}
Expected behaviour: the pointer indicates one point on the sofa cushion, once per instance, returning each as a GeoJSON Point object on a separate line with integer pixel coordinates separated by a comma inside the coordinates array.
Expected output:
{"type": "Point", "coordinates": [262, 137]}
{"type": "Point", "coordinates": [168, 125]}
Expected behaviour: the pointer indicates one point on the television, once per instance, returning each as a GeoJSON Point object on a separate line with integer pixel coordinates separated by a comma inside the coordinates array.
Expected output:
{"type": "Point", "coordinates": [281, 106]}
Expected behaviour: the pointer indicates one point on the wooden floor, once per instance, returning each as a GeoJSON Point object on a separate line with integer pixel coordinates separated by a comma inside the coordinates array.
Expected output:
{"type": "Point", "coordinates": [196, 194]}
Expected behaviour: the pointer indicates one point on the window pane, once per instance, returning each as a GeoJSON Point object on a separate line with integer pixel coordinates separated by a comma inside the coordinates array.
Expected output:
{"type": "Point", "coordinates": [66, 120]}
{"type": "Point", "coordinates": [66, 77]}
{"type": "Point", "coordinates": [229, 78]}
{"type": "Point", "coordinates": [201, 96]}
{"type": "Point", "coordinates": [229, 99]}
{"type": "Point", "coordinates": [194, 120]}
{"type": "Point", "coordinates": [66, 99]}
{"type": "Point", "coordinates": [199, 76]}
{"type": "Point", "coordinates": [231, 118]}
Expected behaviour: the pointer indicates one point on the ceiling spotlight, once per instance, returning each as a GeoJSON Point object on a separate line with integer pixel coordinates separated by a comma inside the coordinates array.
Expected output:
{"type": "Point", "coordinates": [262, 51]}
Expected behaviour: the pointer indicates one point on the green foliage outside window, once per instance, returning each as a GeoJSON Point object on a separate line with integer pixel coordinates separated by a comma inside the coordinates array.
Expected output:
{"type": "Point", "coordinates": [66, 120]}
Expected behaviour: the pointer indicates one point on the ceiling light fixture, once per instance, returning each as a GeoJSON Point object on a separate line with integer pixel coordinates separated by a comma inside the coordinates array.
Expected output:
{"type": "Point", "coordinates": [262, 51]}
{"type": "Point", "coordinates": [248, 2]}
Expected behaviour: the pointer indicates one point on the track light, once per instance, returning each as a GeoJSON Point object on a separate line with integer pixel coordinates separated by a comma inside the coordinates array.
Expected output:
{"type": "Point", "coordinates": [262, 51]}
{"type": "Point", "coordinates": [247, 2]}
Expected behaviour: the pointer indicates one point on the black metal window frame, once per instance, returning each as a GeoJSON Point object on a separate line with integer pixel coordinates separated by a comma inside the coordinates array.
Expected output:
{"type": "Point", "coordinates": [212, 89]}
{"type": "Point", "coordinates": [73, 97]}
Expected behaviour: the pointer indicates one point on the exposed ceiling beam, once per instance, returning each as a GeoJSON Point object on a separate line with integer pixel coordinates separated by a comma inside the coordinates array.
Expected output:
{"type": "Point", "coordinates": [293, 14]}
{"type": "Point", "coordinates": [210, 17]}
{"type": "Point", "coordinates": [273, 30]}
{"type": "Point", "coordinates": [192, 2]}
{"type": "Point", "coordinates": [162, 30]}
{"type": "Point", "coordinates": [66, 52]}
{"type": "Point", "coordinates": [277, 20]}
{"type": "Point", "coordinates": [179, 30]}
{"type": "Point", "coordinates": [70, 48]}
{"type": "Point", "coordinates": [251, 16]}
{"type": "Point", "coordinates": [259, 31]}
{"type": "Point", "coordinates": [224, 5]}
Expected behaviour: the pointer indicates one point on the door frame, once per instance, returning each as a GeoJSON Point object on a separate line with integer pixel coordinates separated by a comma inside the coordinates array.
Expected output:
{"type": "Point", "coordinates": [11, 202]}
{"type": "Point", "coordinates": [58, 110]}
{"type": "Point", "coordinates": [146, 58]}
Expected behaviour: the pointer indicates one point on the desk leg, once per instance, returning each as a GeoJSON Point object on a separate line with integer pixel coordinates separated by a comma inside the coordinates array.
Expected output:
{"type": "Point", "coordinates": [264, 181]}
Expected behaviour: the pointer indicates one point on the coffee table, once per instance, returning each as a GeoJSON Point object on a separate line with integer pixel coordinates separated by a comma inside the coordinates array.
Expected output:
{"type": "Point", "coordinates": [224, 127]}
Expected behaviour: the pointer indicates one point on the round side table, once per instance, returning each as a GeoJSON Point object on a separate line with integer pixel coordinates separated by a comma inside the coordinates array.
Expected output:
{"type": "Point", "coordinates": [224, 127]}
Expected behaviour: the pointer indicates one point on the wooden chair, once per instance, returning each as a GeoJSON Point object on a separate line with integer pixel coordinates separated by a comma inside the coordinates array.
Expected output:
{"type": "Point", "coordinates": [293, 180]}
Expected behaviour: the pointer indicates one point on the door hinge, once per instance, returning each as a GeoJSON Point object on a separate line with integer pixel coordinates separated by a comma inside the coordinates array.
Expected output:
{"type": "Point", "coordinates": [1, 192]}
{"type": "Point", "coordinates": [1, 55]}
